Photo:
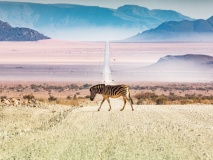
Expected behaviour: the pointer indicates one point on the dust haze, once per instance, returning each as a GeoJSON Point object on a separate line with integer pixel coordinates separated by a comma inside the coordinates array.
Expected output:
{"type": "Point", "coordinates": [91, 33]}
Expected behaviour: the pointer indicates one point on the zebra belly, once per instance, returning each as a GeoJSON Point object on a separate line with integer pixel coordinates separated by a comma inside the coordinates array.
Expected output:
{"type": "Point", "coordinates": [115, 96]}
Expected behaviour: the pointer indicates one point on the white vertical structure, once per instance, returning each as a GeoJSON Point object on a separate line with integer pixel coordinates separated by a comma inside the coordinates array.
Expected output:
{"type": "Point", "coordinates": [106, 70]}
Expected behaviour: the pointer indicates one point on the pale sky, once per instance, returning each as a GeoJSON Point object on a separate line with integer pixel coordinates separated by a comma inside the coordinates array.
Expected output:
{"type": "Point", "coordinates": [199, 9]}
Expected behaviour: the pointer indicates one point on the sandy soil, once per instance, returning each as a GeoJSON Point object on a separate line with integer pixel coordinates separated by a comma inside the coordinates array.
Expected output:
{"type": "Point", "coordinates": [51, 52]}
{"type": "Point", "coordinates": [83, 61]}
{"type": "Point", "coordinates": [51, 60]}
{"type": "Point", "coordinates": [150, 132]}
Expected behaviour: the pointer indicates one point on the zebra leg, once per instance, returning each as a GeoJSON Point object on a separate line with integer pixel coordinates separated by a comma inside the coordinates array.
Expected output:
{"type": "Point", "coordinates": [130, 101]}
{"type": "Point", "coordinates": [101, 104]}
{"type": "Point", "coordinates": [124, 98]}
{"type": "Point", "coordinates": [109, 104]}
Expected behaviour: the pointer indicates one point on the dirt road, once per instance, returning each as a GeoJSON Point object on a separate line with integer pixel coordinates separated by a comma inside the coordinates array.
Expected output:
{"type": "Point", "coordinates": [149, 132]}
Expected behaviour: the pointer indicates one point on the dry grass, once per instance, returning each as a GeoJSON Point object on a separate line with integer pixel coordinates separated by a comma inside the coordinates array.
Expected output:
{"type": "Point", "coordinates": [72, 102]}
{"type": "Point", "coordinates": [152, 98]}
{"type": "Point", "coordinates": [65, 93]}
{"type": "Point", "coordinates": [150, 132]}
{"type": "Point", "coordinates": [22, 119]}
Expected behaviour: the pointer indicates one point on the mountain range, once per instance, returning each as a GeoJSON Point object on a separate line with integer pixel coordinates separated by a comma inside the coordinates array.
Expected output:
{"type": "Point", "coordinates": [52, 18]}
{"type": "Point", "coordinates": [8, 33]}
{"type": "Point", "coordinates": [197, 30]}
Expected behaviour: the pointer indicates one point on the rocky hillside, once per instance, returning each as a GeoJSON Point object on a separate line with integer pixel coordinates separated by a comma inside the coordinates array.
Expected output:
{"type": "Point", "coordinates": [189, 62]}
{"type": "Point", "coordinates": [8, 33]}
{"type": "Point", "coordinates": [198, 30]}
{"type": "Point", "coordinates": [18, 101]}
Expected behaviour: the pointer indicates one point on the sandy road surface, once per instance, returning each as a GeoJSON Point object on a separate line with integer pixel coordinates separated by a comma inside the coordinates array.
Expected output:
{"type": "Point", "coordinates": [150, 132]}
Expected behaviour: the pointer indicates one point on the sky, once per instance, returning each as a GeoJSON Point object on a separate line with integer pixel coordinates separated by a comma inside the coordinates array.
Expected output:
{"type": "Point", "coordinates": [198, 9]}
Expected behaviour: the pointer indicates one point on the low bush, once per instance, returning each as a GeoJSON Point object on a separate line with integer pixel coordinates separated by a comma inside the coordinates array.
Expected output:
{"type": "Point", "coordinates": [152, 98]}
{"type": "Point", "coordinates": [87, 96]}
{"type": "Point", "coordinates": [3, 97]}
{"type": "Point", "coordinates": [29, 97]}
{"type": "Point", "coordinates": [68, 97]}
{"type": "Point", "coordinates": [161, 100]}
{"type": "Point", "coordinates": [52, 98]}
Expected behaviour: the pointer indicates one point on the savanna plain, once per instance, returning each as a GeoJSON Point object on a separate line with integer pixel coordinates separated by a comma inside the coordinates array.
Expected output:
{"type": "Point", "coordinates": [45, 111]}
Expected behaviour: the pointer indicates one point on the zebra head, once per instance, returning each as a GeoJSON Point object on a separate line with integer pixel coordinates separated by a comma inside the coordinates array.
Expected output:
{"type": "Point", "coordinates": [96, 89]}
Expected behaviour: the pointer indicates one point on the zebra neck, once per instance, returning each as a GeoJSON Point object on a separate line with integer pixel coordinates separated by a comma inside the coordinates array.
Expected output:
{"type": "Point", "coordinates": [101, 89]}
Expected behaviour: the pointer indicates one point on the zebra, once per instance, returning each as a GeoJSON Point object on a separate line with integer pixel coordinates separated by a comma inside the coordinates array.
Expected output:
{"type": "Point", "coordinates": [113, 91]}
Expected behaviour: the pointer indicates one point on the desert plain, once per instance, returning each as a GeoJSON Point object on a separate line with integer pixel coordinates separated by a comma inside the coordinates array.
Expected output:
{"type": "Point", "coordinates": [45, 111]}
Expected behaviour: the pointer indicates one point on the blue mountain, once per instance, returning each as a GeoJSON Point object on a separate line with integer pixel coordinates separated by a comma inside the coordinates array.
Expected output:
{"type": "Point", "coordinates": [44, 17]}
{"type": "Point", "coordinates": [197, 30]}
{"type": "Point", "coordinates": [149, 18]}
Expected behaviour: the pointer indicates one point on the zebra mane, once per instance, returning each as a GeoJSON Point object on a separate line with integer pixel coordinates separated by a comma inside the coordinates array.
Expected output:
{"type": "Point", "coordinates": [98, 87]}
{"type": "Point", "coordinates": [102, 85]}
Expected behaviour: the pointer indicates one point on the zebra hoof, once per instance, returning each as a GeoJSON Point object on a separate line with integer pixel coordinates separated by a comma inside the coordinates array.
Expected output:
{"type": "Point", "coordinates": [98, 110]}
{"type": "Point", "coordinates": [109, 110]}
{"type": "Point", "coordinates": [121, 110]}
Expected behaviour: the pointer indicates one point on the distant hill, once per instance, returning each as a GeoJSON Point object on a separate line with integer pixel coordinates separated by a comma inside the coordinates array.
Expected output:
{"type": "Point", "coordinates": [47, 18]}
{"type": "Point", "coordinates": [8, 33]}
{"type": "Point", "coordinates": [148, 18]}
{"type": "Point", "coordinates": [182, 63]}
{"type": "Point", "coordinates": [198, 30]}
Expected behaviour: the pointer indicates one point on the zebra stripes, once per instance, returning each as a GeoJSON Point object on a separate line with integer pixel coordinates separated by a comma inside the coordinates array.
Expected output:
{"type": "Point", "coordinates": [113, 91]}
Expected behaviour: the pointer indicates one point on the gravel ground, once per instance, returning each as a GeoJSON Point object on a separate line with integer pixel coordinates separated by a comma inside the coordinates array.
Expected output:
{"type": "Point", "coordinates": [149, 132]}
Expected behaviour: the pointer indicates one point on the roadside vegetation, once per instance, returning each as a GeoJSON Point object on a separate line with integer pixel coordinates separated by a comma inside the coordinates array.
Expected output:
{"type": "Point", "coordinates": [78, 94]}
{"type": "Point", "coordinates": [147, 98]}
